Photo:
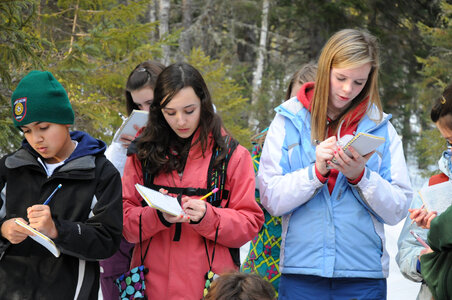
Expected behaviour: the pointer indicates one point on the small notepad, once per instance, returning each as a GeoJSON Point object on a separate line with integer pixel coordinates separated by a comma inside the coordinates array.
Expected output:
{"type": "Point", "coordinates": [40, 238]}
{"type": "Point", "coordinates": [363, 143]}
{"type": "Point", "coordinates": [137, 117]}
{"type": "Point", "coordinates": [160, 201]}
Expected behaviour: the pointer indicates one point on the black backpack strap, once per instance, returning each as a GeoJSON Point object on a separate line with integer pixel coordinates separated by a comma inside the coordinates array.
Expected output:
{"type": "Point", "coordinates": [148, 179]}
{"type": "Point", "coordinates": [216, 176]}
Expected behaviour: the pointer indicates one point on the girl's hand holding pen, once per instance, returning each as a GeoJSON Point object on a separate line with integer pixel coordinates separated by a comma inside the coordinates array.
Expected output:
{"type": "Point", "coordinates": [324, 153]}
{"type": "Point", "coordinates": [40, 218]}
{"type": "Point", "coordinates": [194, 208]}
{"type": "Point", "coordinates": [425, 251]}
{"type": "Point", "coordinates": [422, 217]}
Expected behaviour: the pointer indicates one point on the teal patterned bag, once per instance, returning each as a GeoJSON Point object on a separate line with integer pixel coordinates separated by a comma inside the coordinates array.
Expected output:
{"type": "Point", "coordinates": [132, 283]}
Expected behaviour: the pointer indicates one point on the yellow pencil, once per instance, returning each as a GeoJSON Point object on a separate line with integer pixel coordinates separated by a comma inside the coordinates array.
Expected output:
{"type": "Point", "coordinates": [208, 194]}
{"type": "Point", "coordinates": [423, 202]}
{"type": "Point", "coordinates": [422, 206]}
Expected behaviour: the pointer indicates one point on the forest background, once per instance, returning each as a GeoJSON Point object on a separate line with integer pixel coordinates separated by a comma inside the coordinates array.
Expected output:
{"type": "Point", "coordinates": [246, 51]}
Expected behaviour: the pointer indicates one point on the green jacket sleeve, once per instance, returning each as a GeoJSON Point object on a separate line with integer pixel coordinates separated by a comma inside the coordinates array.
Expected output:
{"type": "Point", "coordinates": [436, 267]}
{"type": "Point", "coordinates": [440, 234]}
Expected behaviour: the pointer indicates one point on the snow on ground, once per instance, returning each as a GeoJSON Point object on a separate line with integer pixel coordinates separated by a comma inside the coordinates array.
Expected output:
{"type": "Point", "coordinates": [399, 288]}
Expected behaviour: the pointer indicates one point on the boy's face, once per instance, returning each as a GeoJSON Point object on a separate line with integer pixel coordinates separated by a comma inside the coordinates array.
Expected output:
{"type": "Point", "coordinates": [52, 141]}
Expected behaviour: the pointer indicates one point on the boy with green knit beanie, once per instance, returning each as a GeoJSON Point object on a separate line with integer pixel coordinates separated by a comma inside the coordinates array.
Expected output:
{"type": "Point", "coordinates": [60, 184]}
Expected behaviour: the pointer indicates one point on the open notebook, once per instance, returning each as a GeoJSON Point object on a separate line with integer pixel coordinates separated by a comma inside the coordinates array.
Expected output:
{"type": "Point", "coordinates": [137, 117]}
{"type": "Point", "coordinates": [40, 238]}
{"type": "Point", "coordinates": [160, 201]}
{"type": "Point", "coordinates": [437, 197]}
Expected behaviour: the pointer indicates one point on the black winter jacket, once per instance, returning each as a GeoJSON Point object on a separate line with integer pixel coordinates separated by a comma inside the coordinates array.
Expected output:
{"type": "Point", "coordinates": [87, 211]}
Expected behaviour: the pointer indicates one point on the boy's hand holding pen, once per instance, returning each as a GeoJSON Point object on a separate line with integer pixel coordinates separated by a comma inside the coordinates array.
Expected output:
{"type": "Point", "coordinates": [40, 216]}
{"type": "Point", "coordinates": [14, 233]}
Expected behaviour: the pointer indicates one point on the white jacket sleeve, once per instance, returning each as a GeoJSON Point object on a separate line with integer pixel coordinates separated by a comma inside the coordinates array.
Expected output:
{"type": "Point", "coordinates": [388, 193]}
{"type": "Point", "coordinates": [282, 191]}
{"type": "Point", "coordinates": [117, 155]}
{"type": "Point", "coordinates": [409, 247]}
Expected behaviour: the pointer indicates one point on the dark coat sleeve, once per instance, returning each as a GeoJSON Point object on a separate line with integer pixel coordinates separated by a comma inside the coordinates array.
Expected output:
{"type": "Point", "coordinates": [4, 243]}
{"type": "Point", "coordinates": [100, 235]}
{"type": "Point", "coordinates": [436, 267]}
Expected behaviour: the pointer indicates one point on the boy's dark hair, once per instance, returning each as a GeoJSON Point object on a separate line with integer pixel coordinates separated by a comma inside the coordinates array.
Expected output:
{"type": "Point", "coordinates": [159, 145]}
{"type": "Point", "coordinates": [442, 108]}
{"type": "Point", "coordinates": [240, 286]}
{"type": "Point", "coordinates": [144, 75]}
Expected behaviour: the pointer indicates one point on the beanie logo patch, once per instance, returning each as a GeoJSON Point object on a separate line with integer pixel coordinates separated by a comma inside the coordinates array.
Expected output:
{"type": "Point", "coordinates": [20, 109]}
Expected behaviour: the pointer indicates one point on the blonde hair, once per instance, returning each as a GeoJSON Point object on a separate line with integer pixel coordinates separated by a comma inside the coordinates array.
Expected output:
{"type": "Point", "coordinates": [347, 48]}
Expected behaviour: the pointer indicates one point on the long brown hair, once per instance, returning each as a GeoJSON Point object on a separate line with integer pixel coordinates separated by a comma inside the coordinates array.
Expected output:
{"type": "Point", "coordinates": [144, 75]}
{"type": "Point", "coordinates": [348, 48]}
{"type": "Point", "coordinates": [159, 145]}
{"type": "Point", "coordinates": [305, 74]}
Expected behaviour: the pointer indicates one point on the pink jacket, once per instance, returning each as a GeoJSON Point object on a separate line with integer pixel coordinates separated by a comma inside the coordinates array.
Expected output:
{"type": "Point", "coordinates": [177, 268]}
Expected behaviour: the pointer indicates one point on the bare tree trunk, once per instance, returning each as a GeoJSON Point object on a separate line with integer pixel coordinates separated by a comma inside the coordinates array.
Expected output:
{"type": "Point", "coordinates": [74, 26]}
{"type": "Point", "coordinates": [152, 18]}
{"type": "Point", "coordinates": [164, 27]}
{"type": "Point", "coordinates": [257, 76]}
{"type": "Point", "coordinates": [187, 19]}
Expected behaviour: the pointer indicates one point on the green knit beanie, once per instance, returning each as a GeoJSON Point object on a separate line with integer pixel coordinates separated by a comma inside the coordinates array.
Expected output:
{"type": "Point", "coordinates": [39, 97]}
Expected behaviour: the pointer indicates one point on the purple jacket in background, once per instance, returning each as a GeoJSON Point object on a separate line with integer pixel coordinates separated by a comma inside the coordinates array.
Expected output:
{"type": "Point", "coordinates": [113, 267]}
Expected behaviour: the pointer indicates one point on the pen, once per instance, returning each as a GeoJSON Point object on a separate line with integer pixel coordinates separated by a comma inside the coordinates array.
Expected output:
{"type": "Point", "coordinates": [51, 195]}
{"type": "Point", "coordinates": [122, 116]}
{"type": "Point", "coordinates": [208, 194]}
{"type": "Point", "coordinates": [423, 202]}
{"type": "Point", "coordinates": [419, 239]}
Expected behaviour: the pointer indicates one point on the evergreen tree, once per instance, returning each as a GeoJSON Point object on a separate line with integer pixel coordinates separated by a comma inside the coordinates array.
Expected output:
{"type": "Point", "coordinates": [95, 45]}
{"type": "Point", "coordinates": [435, 76]}
{"type": "Point", "coordinates": [19, 50]}
{"type": "Point", "coordinates": [226, 95]}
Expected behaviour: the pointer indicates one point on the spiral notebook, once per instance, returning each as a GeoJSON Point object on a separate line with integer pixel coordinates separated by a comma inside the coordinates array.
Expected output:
{"type": "Point", "coordinates": [137, 117]}
{"type": "Point", "coordinates": [363, 143]}
{"type": "Point", "coordinates": [40, 238]}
